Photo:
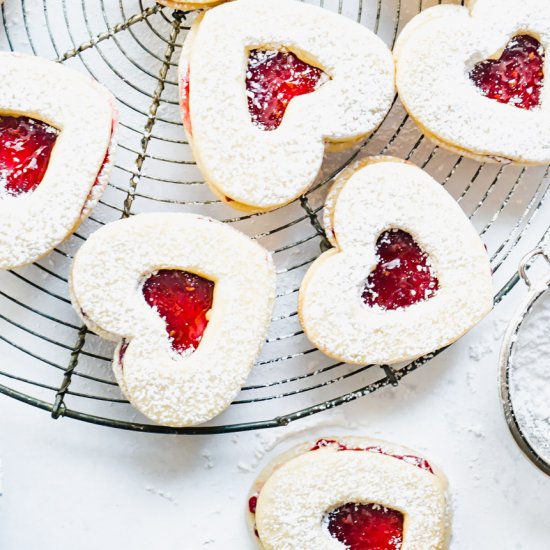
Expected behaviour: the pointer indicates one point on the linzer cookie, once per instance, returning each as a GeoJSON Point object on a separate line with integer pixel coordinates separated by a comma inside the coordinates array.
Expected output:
{"type": "Point", "coordinates": [408, 273]}
{"type": "Point", "coordinates": [265, 86]}
{"type": "Point", "coordinates": [56, 153]}
{"type": "Point", "coordinates": [350, 492]}
{"type": "Point", "coordinates": [473, 78]}
{"type": "Point", "coordinates": [187, 298]}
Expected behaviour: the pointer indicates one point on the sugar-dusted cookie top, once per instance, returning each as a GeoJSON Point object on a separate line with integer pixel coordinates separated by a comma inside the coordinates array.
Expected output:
{"type": "Point", "coordinates": [408, 274]}
{"type": "Point", "coordinates": [187, 298]}
{"type": "Point", "coordinates": [265, 85]}
{"type": "Point", "coordinates": [473, 78]}
{"type": "Point", "coordinates": [56, 137]}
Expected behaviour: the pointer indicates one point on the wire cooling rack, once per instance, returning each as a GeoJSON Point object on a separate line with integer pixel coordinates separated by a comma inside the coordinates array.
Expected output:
{"type": "Point", "coordinates": [49, 360]}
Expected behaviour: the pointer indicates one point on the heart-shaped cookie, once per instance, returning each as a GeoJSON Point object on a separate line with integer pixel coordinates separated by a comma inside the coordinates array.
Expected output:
{"type": "Point", "coordinates": [187, 298]}
{"type": "Point", "coordinates": [408, 274]}
{"type": "Point", "coordinates": [350, 492]}
{"type": "Point", "coordinates": [485, 64]}
{"type": "Point", "coordinates": [56, 154]}
{"type": "Point", "coordinates": [265, 85]}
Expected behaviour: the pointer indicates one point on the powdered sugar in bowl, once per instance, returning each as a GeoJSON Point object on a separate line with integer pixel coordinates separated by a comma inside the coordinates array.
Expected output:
{"type": "Point", "coordinates": [525, 367]}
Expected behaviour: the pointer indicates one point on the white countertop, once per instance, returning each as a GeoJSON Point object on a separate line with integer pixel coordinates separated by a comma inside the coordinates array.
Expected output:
{"type": "Point", "coordinates": [70, 485]}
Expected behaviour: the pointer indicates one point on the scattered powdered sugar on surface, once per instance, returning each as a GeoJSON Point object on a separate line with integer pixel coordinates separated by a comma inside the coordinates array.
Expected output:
{"type": "Point", "coordinates": [162, 494]}
{"type": "Point", "coordinates": [529, 377]}
{"type": "Point", "coordinates": [484, 347]}
{"type": "Point", "coordinates": [479, 350]}
{"type": "Point", "coordinates": [267, 441]}
{"type": "Point", "coordinates": [208, 459]}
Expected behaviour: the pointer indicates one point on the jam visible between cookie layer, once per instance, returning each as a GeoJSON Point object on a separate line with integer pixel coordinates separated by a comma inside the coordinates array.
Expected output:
{"type": "Point", "coordinates": [184, 101]}
{"type": "Point", "coordinates": [26, 145]}
{"type": "Point", "coordinates": [252, 502]}
{"type": "Point", "coordinates": [366, 527]}
{"type": "Point", "coordinates": [403, 275]}
{"type": "Point", "coordinates": [421, 463]}
{"type": "Point", "coordinates": [273, 78]}
{"type": "Point", "coordinates": [183, 300]}
{"type": "Point", "coordinates": [517, 77]}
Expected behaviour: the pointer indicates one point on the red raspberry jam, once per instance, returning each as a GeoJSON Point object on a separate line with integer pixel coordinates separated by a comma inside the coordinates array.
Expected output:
{"type": "Point", "coordinates": [421, 463]}
{"type": "Point", "coordinates": [25, 148]}
{"type": "Point", "coordinates": [183, 300]}
{"type": "Point", "coordinates": [184, 102]}
{"type": "Point", "coordinates": [273, 78]}
{"type": "Point", "coordinates": [517, 77]}
{"type": "Point", "coordinates": [252, 502]}
{"type": "Point", "coordinates": [366, 527]}
{"type": "Point", "coordinates": [122, 352]}
{"type": "Point", "coordinates": [403, 275]}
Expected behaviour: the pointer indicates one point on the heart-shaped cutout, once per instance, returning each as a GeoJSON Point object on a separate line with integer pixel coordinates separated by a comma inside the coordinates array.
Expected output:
{"type": "Point", "coordinates": [517, 77]}
{"type": "Point", "coordinates": [273, 79]}
{"type": "Point", "coordinates": [403, 275]}
{"type": "Point", "coordinates": [366, 527]}
{"type": "Point", "coordinates": [25, 148]}
{"type": "Point", "coordinates": [183, 300]}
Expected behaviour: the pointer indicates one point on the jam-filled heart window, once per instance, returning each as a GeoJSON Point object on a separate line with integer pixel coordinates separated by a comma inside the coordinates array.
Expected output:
{"type": "Point", "coordinates": [403, 275]}
{"type": "Point", "coordinates": [366, 526]}
{"type": "Point", "coordinates": [26, 145]}
{"type": "Point", "coordinates": [273, 79]}
{"type": "Point", "coordinates": [184, 301]}
{"type": "Point", "coordinates": [516, 77]}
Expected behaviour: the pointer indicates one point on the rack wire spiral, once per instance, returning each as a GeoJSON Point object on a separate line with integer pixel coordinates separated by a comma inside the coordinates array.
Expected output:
{"type": "Point", "coordinates": [51, 361]}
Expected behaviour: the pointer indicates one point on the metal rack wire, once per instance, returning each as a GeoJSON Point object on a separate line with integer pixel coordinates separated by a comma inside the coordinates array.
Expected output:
{"type": "Point", "coordinates": [51, 361]}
